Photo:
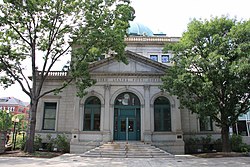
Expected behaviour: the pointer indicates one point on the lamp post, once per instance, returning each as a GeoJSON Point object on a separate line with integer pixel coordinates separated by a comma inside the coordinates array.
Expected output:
{"type": "Point", "coordinates": [6, 126]}
{"type": "Point", "coordinates": [15, 121]}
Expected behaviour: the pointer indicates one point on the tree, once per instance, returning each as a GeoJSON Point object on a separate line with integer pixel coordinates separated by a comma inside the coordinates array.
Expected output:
{"type": "Point", "coordinates": [5, 120]}
{"type": "Point", "coordinates": [211, 72]}
{"type": "Point", "coordinates": [43, 32]}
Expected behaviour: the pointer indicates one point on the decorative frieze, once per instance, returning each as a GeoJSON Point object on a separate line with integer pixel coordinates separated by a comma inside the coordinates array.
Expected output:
{"type": "Point", "coordinates": [135, 80]}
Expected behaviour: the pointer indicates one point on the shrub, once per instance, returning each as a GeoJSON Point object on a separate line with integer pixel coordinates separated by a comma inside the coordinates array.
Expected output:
{"type": "Point", "coordinates": [201, 144]}
{"type": "Point", "coordinates": [62, 143]}
{"type": "Point", "coordinates": [51, 143]}
{"type": "Point", "coordinates": [37, 142]}
{"type": "Point", "coordinates": [238, 145]}
{"type": "Point", "coordinates": [20, 142]}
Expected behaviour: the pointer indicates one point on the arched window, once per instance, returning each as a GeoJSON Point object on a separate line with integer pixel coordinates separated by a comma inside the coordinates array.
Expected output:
{"type": "Point", "coordinates": [162, 114]}
{"type": "Point", "coordinates": [92, 112]}
{"type": "Point", "coordinates": [127, 99]}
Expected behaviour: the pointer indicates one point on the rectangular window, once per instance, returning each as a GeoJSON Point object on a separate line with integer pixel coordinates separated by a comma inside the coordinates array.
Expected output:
{"type": "Point", "coordinates": [206, 124]}
{"type": "Point", "coordinates": [49, 116]}
{"type": "Point", "coordinates": [154, 57]}
{"type": "Point", "coordinates": [92, 118]}
{"type": "Point", "coordinates": [162, 118]}
{"type": "Point", "coordinates": [241, 128]}
{"type": "Point", "coordinates": [165, 58]}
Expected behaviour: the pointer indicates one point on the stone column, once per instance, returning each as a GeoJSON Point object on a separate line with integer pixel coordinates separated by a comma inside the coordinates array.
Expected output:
{"type": "Point", "coordinates": [178, 115]}
{"type": "Point", "coordinates": [147, 122]}
{"type": "Point", "coordinates": [76, 122]}
{"type": "Point", "coordinates": [107, 119]}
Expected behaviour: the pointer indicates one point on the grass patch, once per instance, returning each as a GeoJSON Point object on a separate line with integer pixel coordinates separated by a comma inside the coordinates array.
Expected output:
{"type": "Point", "coordinates": [37, 154]}
{"type": "Point", "coordinates": [221, 155]}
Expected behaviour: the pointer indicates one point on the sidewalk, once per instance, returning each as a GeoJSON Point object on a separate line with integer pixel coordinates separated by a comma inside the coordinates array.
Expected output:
{"type": "Point", "coordinates": [74, 160]}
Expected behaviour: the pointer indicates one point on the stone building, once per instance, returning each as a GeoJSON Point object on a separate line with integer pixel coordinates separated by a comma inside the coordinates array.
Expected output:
{"type": "Point", "coordinates": [126, 103]}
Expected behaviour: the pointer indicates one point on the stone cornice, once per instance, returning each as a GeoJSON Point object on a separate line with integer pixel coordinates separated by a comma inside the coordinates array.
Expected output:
{"type": "Point", "coordinates": [127, 74]}
{"type": "Point", "coordinates": [132, 55]}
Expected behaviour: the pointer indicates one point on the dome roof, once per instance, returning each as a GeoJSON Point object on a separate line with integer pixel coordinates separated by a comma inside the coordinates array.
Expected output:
{"type": "Point", "coordinates": [138, 29]}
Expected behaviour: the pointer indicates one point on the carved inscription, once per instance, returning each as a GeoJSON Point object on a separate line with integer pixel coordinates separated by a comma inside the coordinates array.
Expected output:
{"type": "Point", "coordinates": [152, 79]}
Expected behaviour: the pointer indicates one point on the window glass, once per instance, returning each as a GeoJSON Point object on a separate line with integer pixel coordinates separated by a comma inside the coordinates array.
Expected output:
{"type": "Point", "coordinates": [123, 125]}
{"type": "Point", "coordinates": [92, 112]}
{"type": "Point", "coordinates": [162, 114]}
{"type": "Point", "coordinates": [87, 119]}
{"type": "Point", "coordinates": [165, 58]}
{"type": "Point", "coordinates": [49, 116]}
{"type": "Point", "coordinates": [131, 125]}
{"type": "Point", "coordinates": [97, 121]}
{"type": "Point", "coordinates": [241, 128]}
{"type": "Point", "coordinates": [127, 99]}
{"type": "Point", "coordinates": [206, 124]}
{"type": "Point", "coordinates": [154, 57]}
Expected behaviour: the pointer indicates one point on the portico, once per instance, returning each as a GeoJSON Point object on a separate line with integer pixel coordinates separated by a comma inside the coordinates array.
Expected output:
{"type": "Point", "coordinates": [127, 96]}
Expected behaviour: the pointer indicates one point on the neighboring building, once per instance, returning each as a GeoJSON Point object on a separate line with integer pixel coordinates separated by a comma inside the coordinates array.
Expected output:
{"type": "Point", "coordinates": [125, 97]}
{"type": "Point", "coordinates": [13, 105]}
{"type": "Point", "coordinates": [242, 127]}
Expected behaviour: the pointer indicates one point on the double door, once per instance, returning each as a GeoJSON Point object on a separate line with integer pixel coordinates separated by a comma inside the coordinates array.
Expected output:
{"type": "Point", "coordinates": [127, 124]}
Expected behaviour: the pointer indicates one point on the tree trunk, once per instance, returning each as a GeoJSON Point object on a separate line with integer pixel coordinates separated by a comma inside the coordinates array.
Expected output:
{"type": "Point", "coordinates": [226, 147]}
{"type": "Point", "coordinates": [29, 147]}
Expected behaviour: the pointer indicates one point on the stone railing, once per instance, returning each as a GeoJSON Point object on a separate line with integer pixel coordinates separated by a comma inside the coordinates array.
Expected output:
{"type": "Point", "coordinates": [151, 39]}
{"type": "Point", "coordinates": [55, 73]}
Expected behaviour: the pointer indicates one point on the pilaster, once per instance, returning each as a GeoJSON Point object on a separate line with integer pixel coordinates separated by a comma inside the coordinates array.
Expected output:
{"type": "Point", "coordinates": [147, 128]}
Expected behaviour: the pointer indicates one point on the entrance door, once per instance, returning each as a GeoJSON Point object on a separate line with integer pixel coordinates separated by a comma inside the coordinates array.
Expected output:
{"type": "Point", "coordinates": [127, 124]}
{"type": "Point", "coordinates": [127, 119]}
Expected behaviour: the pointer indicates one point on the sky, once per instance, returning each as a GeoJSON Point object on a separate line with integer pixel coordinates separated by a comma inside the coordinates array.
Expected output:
{"type": "Point", "coordinates": [170, 17]}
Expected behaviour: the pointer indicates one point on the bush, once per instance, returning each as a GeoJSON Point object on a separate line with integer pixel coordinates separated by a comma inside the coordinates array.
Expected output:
{"type": "Point", "coordinates": [61, 143]}
{"type": "Point", "coordinates": [37, 142]}
{"type": "Point", "coordinates": [201, 144]}
{"type": "Point", "coordinates": [20, 142]}
{"type": "Point", "coordinates": [50, 144]}
{"type": "Point", "coordinates": [238, 145]}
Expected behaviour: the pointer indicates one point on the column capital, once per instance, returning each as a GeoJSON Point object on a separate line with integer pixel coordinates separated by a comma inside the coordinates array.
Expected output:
{"type": "Point", "coordinates": [107, 87]}
{"type": "Point", "coordinates": [146, 87]}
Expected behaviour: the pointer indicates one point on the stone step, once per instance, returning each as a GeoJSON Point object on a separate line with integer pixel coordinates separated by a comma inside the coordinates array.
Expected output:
{"type": "Point", "coordinates": [127, 150]}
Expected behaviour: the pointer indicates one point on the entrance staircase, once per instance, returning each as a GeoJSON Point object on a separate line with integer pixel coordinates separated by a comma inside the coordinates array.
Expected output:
{"type": "Point", "coordinates": [127, 150]}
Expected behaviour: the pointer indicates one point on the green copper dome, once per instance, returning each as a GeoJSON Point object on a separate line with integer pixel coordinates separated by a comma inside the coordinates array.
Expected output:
{"type": "Point", "coordinates": [137, 29]}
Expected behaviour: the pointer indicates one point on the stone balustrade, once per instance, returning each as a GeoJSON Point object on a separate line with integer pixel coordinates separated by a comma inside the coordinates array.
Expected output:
{"type": "Point", "coordinates": [151, 39]}
{"type": "Point", "coordinates": [55, 73]}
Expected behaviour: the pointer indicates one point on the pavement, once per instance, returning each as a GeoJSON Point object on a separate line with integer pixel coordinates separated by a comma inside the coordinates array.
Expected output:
{"type": "Point", "coordinates": [76, 160]}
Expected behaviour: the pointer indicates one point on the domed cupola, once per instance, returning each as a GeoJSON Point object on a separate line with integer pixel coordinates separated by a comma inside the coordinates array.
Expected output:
{"type": "Point", "coordinates": [137, 29]}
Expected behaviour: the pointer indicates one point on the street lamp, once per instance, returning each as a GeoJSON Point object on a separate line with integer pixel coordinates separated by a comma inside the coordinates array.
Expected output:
{"type": "Point", "coordinates": [15, 121]}
{"type": "Point", "coordinates": [6, 126]}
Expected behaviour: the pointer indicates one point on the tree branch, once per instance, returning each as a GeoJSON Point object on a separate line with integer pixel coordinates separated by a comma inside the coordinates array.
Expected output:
{"type": "Point", "coordinates": [19, 33]}
{"type": "Point", "coordinates": [15, 77]}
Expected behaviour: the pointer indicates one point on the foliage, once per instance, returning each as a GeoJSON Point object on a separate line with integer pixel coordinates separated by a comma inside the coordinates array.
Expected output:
{"type": "Point", "coordinates": [20, 141]}
{"type": "Point", "coordinates": [22, 124]}
{"type": "Point", "coordinates": [238, 145]}
{"type": "Point", "coordinates": [5, 120]}
{"type": "Point", "coordinates": [202, 144]}
{"type": "Point", "coordinates": [61, 143]}
{"type": "Point", "coordinates": [36, 35]}
{"type": "Point", "coordinates": [50, 143]}
{"type": "Point", "coordinates": [37, 142]}
{"type": "Point", "coordinates": [211, 72]}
